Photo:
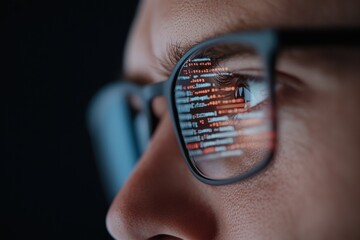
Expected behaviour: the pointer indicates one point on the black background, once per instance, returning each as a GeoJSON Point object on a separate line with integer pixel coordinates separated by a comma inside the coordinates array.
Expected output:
{"type": "Point", "coordinates": [54, 57]}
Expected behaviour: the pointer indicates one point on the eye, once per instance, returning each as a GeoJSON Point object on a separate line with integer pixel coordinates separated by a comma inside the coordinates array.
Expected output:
{"type": "Point", "coordinates": [225, 113]}
{"type": "Point", "coordinates": [252, 90]}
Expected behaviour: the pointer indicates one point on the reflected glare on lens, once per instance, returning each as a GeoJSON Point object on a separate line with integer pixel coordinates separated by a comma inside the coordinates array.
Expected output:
{"type": "Point", "coordinates": [224, 112]}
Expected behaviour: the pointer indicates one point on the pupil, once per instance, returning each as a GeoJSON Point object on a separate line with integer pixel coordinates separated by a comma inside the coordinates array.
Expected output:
{"type": "Point", "coordinates": [244, 93]}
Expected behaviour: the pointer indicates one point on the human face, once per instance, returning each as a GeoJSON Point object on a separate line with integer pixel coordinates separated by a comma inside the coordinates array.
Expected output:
{"type": "Point", "coordinates": [309, 192]}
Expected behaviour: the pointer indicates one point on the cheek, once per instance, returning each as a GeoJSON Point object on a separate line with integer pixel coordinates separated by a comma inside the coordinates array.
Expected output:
{"type": "Point", "coordinates": [270, 204]}
{"type": "Point", "coordinates": [307, 188]}
{"type": "Point", "coordinates": [317, 157]}
{"type": "Point", "coordinates": [265, 206]}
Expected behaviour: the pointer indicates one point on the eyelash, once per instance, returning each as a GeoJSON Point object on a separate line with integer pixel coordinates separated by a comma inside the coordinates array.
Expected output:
{"type": "Point", "coordinates": [222, 79]}
{"type": "Point", "coordinates": [239, 80]}
{"type": "Point", "coordinates": [236, 79]}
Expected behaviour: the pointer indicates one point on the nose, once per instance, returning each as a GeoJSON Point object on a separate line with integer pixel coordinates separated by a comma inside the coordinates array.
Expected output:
{"type": "Point", "coordinates": [161, 199]}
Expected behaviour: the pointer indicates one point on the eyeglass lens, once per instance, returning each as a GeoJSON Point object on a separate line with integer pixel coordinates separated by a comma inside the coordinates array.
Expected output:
{"type": "Point", "coordinates": [224, 110]}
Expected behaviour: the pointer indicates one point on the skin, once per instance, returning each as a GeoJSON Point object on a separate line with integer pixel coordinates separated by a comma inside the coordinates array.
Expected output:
{"type": "Point", "coordinates": [310, 190]}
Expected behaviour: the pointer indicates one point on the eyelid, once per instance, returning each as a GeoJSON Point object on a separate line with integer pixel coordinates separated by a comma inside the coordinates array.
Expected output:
{"type": "Point", "coordinates": [174, 52]}
{"type": "Point", "coordinates": [289, 80]}
{"type": "Point", "coordinates": [286, 86]}
{"type": "Point", "coordinates": [280, 77]}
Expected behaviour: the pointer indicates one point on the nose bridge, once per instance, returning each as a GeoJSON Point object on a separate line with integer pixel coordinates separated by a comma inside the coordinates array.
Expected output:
{"type": "Point", "coordinates": [149, 92]}
{"type": "Point", "coordinates": [161, 197]}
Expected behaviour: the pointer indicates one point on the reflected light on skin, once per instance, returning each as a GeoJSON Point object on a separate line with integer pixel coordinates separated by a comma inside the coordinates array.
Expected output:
{"type": "Point", "coordinates": [310, 191]}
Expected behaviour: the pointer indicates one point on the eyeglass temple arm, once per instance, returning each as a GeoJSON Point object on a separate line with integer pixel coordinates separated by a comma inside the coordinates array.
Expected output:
{"type": "Point", "coordinates": [154, 90]}
{"type": "Point", "coordinates": [347, 37]}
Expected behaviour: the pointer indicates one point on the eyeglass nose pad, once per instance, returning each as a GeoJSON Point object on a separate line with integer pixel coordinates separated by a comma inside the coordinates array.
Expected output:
{"type": "Point", "coordinates": [142, 130]}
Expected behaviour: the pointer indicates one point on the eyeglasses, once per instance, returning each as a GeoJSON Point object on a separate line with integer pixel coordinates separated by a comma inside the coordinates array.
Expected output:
{"type": "Point", "coordinates": [222, 99]}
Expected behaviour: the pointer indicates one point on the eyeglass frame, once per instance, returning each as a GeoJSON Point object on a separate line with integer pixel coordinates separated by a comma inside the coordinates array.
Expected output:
{"type": "Point", "coordinates": [268, 43]}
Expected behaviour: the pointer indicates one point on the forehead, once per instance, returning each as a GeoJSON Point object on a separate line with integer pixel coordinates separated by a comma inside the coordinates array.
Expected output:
{"type": "Point", "coordinates": [160, 23]}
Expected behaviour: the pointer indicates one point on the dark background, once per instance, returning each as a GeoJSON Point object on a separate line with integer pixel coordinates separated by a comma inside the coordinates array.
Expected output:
{"type": "Point", "coordinates": [54, 57]}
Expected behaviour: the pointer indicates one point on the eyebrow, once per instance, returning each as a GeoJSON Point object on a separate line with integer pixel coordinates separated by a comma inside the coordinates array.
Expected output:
{"type": "Point", "coordinates": [165, 63]}
{"type": "Point", "coordinates": [174, 52]}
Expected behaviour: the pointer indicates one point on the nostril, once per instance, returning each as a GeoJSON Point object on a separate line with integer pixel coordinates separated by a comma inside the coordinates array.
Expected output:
{"type": "Point", "coordinates": [164, 237]}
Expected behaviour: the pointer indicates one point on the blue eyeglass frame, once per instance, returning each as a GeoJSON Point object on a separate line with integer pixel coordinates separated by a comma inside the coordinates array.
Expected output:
{"type": "Point", "coordinates": [267, 43]}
